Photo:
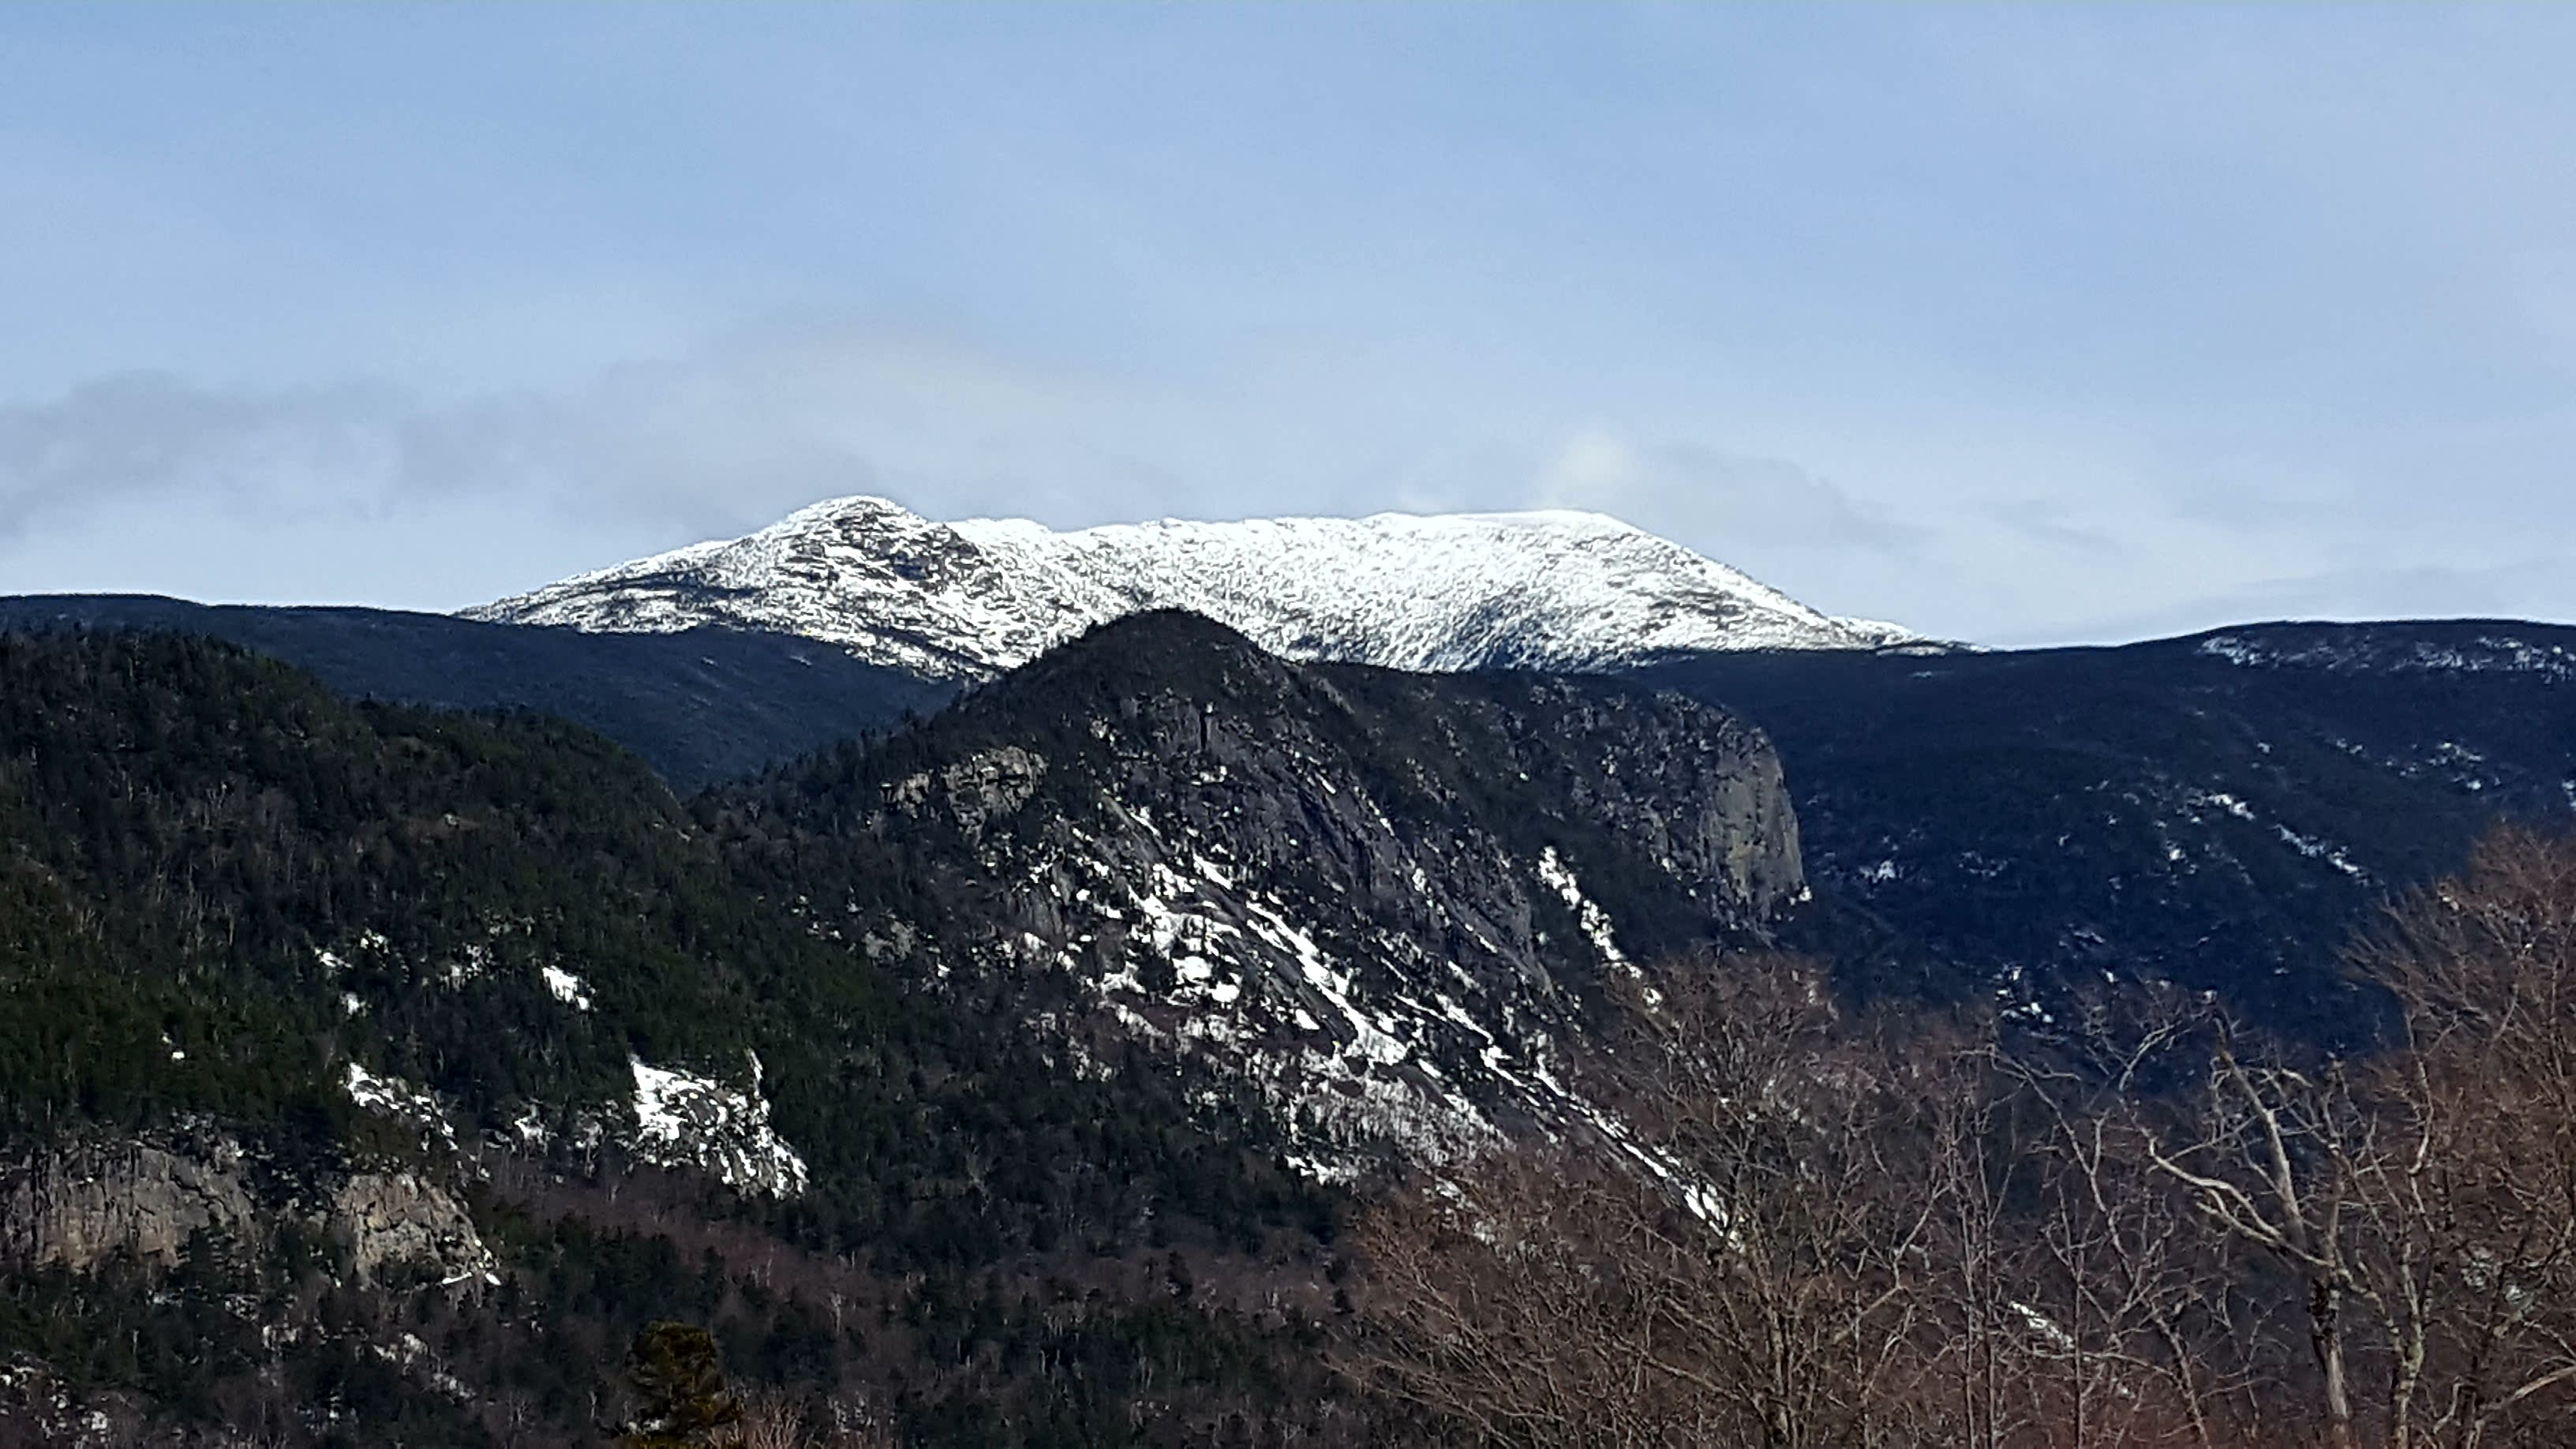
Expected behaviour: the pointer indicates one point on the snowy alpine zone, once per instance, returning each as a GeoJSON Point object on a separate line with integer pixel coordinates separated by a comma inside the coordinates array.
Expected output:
{"type": "Point", "coordinates": [970, 599]}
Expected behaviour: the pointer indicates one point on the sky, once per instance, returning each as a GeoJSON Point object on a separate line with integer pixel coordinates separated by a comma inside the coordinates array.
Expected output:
{"type": "Point", "coordinates": [2017, 324]}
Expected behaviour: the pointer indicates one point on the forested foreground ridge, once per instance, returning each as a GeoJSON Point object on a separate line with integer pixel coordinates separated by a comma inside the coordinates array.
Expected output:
{"type": "Point", "coordinates": [1171, 1045]}
{"type": "Point", "coordinates": [375, 1075]}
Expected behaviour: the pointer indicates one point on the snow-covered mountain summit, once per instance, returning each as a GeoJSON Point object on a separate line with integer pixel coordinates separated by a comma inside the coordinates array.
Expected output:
{"type": "Point", "coordinates": [966, 600]}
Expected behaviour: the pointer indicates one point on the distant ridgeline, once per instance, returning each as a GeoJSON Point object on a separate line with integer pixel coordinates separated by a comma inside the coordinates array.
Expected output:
{"type": "Point", "coordinates": [700, 705]}
{"type": "Point", "coordinates": [2217, 810]}
{"type": "Point", "coordinates": [2223, 810]}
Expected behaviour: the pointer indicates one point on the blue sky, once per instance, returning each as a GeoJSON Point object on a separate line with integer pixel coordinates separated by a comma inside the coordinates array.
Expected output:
{"type": "Point", "coordinates": [2018, 323]}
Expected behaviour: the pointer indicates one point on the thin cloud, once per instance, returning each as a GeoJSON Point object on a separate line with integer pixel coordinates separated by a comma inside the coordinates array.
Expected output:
{"type": "Point", "coordinates": [2046, 522]}
{"type": "Point", "coordinates": [1698, 493]}
{"type": "Point", "coordinates": [113, 440]}
{"type": "Point", "coordinates": [723, 439]}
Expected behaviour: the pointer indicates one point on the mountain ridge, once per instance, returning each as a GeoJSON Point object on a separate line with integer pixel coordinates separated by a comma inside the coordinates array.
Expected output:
{"type": "Point", "coordinates": [1555, 591]}
{"type": "Point", "coordinates": [701, 705]}
{"type": "Point", "coordinates": [2220, 810]}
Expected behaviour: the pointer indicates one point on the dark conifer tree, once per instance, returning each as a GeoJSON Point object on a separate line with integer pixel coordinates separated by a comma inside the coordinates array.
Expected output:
{"type": "Point", "coordinates": [679, 1382]}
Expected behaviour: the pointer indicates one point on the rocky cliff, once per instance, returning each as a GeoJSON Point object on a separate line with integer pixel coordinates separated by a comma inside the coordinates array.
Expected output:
{"type": "Point", "coordinates": [79, 1205]}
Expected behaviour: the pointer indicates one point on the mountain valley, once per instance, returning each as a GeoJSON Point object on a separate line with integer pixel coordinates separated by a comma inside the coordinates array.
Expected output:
{"type": "Point", "coordinates": [992, 1024]}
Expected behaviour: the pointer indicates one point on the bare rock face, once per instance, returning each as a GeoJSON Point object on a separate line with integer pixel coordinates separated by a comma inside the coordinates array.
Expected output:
{"type": "Point", "coordinates": [388, 1220]}
{"type": "Point", "coordinates": [78, 1206]}
{"type": "Point", "coordinates": [974, 790]}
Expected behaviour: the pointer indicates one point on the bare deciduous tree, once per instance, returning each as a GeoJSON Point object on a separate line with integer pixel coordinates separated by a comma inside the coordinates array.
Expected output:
{"type": "Point", "coordinates": [774, 1419]}
{"type": "Point", "coordinates": [2476, 1214]}
{"type": "Point", "coordinates": [1799, 1229]}
{"type": "Point", "coordinates": [1739, 1262]}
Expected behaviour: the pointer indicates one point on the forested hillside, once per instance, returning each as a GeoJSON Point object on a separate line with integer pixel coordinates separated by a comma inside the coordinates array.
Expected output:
{"type": "Point", "coordinates": [304, 952]}
{"type": "Point", "coordinates": [700, 705]}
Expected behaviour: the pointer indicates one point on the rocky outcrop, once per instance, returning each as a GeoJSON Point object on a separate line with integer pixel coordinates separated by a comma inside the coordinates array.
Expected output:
{"type": "Point", "coordinates": [77, 1206]}
{"type": "Point", "coordinates": [81, 1205]}
{"type": "Point", "coordinates": [689, 1121]}
{"type": "Point", "coordinates": [392, 1220]}
{"type": "Point", "coordinates": [972, 791]}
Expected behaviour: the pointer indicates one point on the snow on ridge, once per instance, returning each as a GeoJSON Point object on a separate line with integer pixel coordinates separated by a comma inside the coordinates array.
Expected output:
{"type": "Point", "coordinates": [1881, 634]}
{"type": "Point", "coordinates": [965, 600]}
{"type": "Point", "coordinates": [2355, 650]}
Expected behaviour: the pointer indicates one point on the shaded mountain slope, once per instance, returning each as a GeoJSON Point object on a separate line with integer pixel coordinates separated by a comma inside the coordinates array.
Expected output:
{"type": "Point", "coordinates": [2221, 810]}
{"type": "Point", "coordinates": [402, 1064]}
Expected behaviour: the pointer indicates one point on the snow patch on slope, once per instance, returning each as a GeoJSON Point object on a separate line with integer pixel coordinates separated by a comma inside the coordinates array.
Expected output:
{"type": "Point", "coordinates": [400, 1100]}
{"type": "Point", "coordinates": [1354, 1044]}
{"type": "Point", "coordinates": [683, 1120]}
{"type": "Point", "coordinates": [2358, 652]}
{"type": "Point", "coordinates": [566, 987]}
{"type": "Point", "coordinates": [1559, 877]}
